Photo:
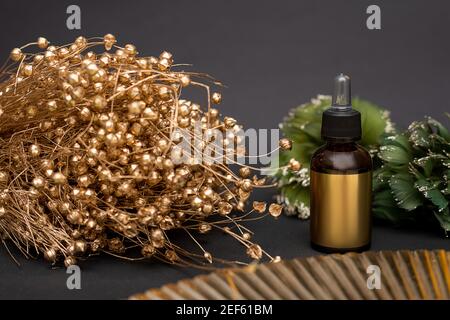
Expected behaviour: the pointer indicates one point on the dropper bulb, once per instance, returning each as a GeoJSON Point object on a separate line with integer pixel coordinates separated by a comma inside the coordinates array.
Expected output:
{"type": "Point", "coordinates": [342, 91]}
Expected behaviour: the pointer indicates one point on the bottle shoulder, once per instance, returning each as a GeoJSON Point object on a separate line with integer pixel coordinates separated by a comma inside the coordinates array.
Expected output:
{"type": "Point", "coordinates": [342, 159]}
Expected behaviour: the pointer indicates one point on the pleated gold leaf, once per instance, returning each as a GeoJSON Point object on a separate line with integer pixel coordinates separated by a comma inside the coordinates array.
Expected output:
{"type": "Point", "coordinates": [421, 274]}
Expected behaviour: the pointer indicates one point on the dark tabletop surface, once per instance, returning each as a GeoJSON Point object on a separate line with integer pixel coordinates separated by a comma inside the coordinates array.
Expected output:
{"type": "Point", "coordinates": [272, 55]}
{"type": "Point", "coordinates": [105, 277]}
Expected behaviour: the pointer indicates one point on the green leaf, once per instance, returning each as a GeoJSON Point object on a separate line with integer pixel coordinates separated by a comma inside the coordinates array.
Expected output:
{"type": "Point", "coordinates": [405, 194]}
{"type": "Point", "coordinates": [374, 121]}
{"type": "Point", "coordinates": [441, 130]}
{"type": "Point", "coordinates": [431, 192]}
{"type": "Point", "coordinates": [296, 194]}
{"type": "Point", "coordinates": [427, 164]}
{"type": "Point", "coordinates": [444, 219]}
{"type": "Point", "coordinates": [399, 140]}
{"type": "Point", "coordinates": [419, 135]}
{"type": "Point", "coordinates": [381, 178]}
{"type": "Point", "coordinates": [394, 156]}
{"type": "Point", "coordinates": [446, 179]}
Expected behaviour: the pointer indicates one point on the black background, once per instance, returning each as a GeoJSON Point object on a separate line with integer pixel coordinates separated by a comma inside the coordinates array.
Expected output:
{"type": "Point", "coordinates": [272, 55]}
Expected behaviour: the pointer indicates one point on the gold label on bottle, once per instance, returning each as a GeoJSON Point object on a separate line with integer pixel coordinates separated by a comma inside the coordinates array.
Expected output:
{"type": "Point", "coordinates": [341, 209]}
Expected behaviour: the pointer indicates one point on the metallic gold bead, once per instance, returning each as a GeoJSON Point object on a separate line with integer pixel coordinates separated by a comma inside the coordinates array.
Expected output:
{"type": "Point", "coordinates": [31, 111]}
{"type": "Point", "coordinates": [99, 103]}
{"type": "Point", "coordinates": [98, 87]}
{"type": "Point", "coordinates": [131, 230]}
{"type": "Point", "coordinates": [42, 42]}
{"type": "Point", "coordinates": [246, 185]}
{"type": "Point", "coordinates": [245, 172]}
{"type": "Point", "coordinates": [276, 259]}
{"type": "Point", "coordinates": [38, 182]}
{"type": "Point", "coordinates": [27, 70]}
{"type": "Point", "coordinates": [164, 64]}
{"type": "Point", "coordinates": [184, 122]}
{"type": "Point", "coordinates": [150, 114]}
{"type": "Point", "coordinates": [136, 107]}
{"type": "Point", "coordinates": [148, 250]}
{"type": "Point", "coordinates": [38, 58]}
{"type": "Point", "coordinates": [50, 255]}
{"type": "Point", "coordinates": [85, 114]}
{"type": "Point", "coordinates": [196, 202]}
{"type": "Point", "coordinates": [164, 93]}
{"type": "Point", "coordinates": [216, 98]}
{"type": "Point", "coordinates": [105, 60]}
{"type": "Point", "coordinates": [229, 122]}
{"type": "Point", "coordinates": [52, 105]}
{"type": "Point", "coordinates": [64, 207]}
{"type": "Point", "coordinates": [85, 180]}
{"type": "Point", "coordinates": [96, 245]}
{"type": "Point", "coordinates": [120, 56]}
{"type": "Point", "coordinates": [134, 93]}
{"type": "Point", "coordinates": [213, 113]}
{"type": "Point", "coordinates": [240, 206]}
{"type": "Point", "coordinates": [109, 125]}
{"type": "Point", "coordinates": [59, 178]}
{"type": "Point", "coordinates": [80, 246]}
{"type": "Point", "coordinates": [142, 63]}
{"type": "Point", "coordinates": [81, 42]}
{"type": "Point", "coordinates": [171, 255]}
{"type": "Point", "coordinates": [48, 173]}
{"type": "Point", "coordinates": [166, 55]}
{"type": "Point", "coordinates": [73, 78]}
{"type": "Point", "coordinates": [92, 68]}
{"type": "Point", "coordinates": [208, 257]}
{"type": "Point", "coordinates": [204, 227]}
{"type": "Point", "coordinates": [157, 235]}
{"type": "Point", "coordinates": [49, 56]}
{"type": "Point", "coordinates": [35, 150]}
{"type": "Point", "coordinates": [246, 236]}
{"type": "Point", "coordinates": [185, 80]}
{"type": "Point", "coordinates": [34, 193]}
{"type": "Point", "coordinates": [207, 208]}
{"type": "Point", "coordinates": [130, 49]}
{"type": "Point", "coordinates": [275, 210]}
{"type": "Point", "coordinates": [225, 208]}
{"type": "Point", "coordinates": [109, 40]}
{"type": "Point", "coordinates": [112, 139]}
{"type": "Point", "coordinates": [285, 144]}
{"type": "Point", "coordinates": [122, 127]}
{"type": "Point", "coordinates": [63, 52]}
{"type": "Point", "coordinates": [86, 62]}
{"type": "Point", "coordinates": [99, 76]}
{"type": "Point", "coordinates": [294, 165]}
{"type": "Point", "coordinates": [254, 251]}
{"type": "Point", "coordinates": [70, 261]}
{"type": "Point", "coordinates": [78, 93]}
{"type": "Point", "coordinates": [136, 129]}
{"type": "Point", "coordinates": [259, 207]}
{"type": "Point", "coordinates": [75, 217]}
{"type": "Point", "coordinates": [45, 125]}
{"type": "Point", "coordinates": [16, 54]}
{"type": "Point", "coordinates": [184, 110]}
{"type": "Point", "coordinates": [116, 245]}
{"type": "Point", "coordinates": [4, 177]}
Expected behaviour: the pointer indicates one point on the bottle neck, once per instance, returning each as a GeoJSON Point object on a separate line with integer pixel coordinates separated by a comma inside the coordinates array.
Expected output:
{"type": "Point", "coordinates": [340, 141]}
{"type": "Point", "coordinates": [341, 145]}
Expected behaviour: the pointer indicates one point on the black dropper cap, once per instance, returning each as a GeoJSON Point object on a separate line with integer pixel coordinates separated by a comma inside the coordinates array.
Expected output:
{"type": "Point", "coordinates": [341, 121]}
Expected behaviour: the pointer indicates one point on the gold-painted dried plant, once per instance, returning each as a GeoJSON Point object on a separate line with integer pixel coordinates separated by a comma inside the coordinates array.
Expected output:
{"type": "Point", "coordinates": [89, 156]}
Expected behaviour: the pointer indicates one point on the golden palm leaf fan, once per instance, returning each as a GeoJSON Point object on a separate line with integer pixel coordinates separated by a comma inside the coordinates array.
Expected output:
{"type": "Point", "coordinates": [421, 274]}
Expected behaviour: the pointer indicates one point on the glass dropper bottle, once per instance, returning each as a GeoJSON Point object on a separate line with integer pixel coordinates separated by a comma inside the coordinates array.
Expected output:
{"type": "Point", "coordinates": [341, 179]}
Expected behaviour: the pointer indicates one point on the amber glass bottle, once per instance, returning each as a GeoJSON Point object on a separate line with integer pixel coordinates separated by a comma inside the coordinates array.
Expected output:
{"type": "Point", "coordinates": [341, 179]}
